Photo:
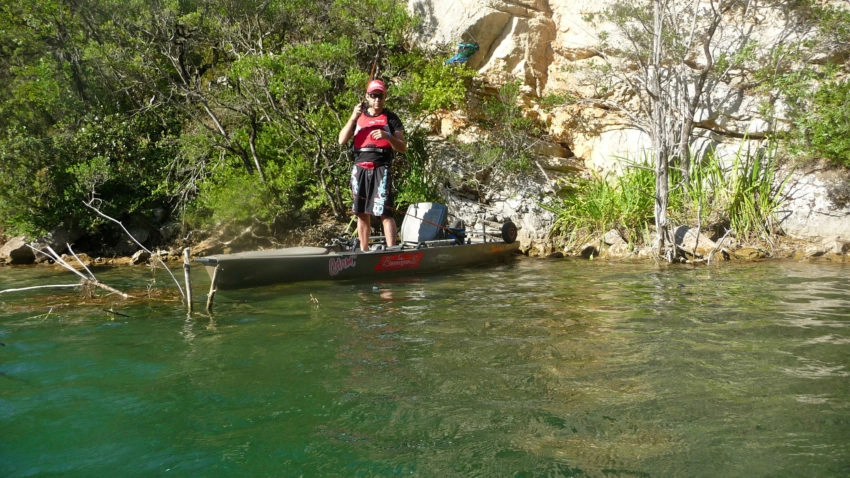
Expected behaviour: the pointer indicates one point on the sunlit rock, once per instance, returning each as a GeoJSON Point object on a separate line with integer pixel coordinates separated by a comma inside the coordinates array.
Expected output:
{"type": "Point", "coordinates": [693, 242]}
{"type": "Point", "coordinates": [16, 251]}
{"type": "Point", "coordinates": [552, 48]}
{"type": "Point", "coordinates": [141, 256]}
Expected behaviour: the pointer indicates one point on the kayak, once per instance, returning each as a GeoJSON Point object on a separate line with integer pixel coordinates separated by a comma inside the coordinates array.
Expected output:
{"type": "Point", "coordinates": [427, 245]}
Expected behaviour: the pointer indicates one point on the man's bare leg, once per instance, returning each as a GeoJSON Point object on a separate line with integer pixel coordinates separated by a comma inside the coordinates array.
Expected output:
{"type": "Point", "coordinates": [364, 227]}
{"type": "Point", "coordinates": [390, 230]}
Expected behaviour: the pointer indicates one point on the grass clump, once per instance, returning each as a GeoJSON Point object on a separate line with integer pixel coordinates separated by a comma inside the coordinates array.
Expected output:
{"type": "Point", "coordinates": [739, 197]}
{"type": "Point", "coordinates": [594, 205]}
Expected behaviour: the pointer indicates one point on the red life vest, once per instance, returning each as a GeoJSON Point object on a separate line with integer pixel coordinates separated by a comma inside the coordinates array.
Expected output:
{"type": "Point", "coordinates": [365, 125]}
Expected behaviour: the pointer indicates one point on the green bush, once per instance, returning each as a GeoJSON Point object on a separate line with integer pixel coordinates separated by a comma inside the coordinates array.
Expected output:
{"type": "Point", "coordinates": [511, 135]}
{"type": "Point", "coordinates": [415, 180]}
{"type": "Point", "coordinates": [433, 86]}
{"type": "Point", "coordinates": [27, 184]}
{"type": "Point", "coordinates": [119, 163]}
{"type": "Point", "coordinates": [826, 129]}
{"type": "Point", "coordinates": [755, 194]}
{"type": "Point", "coordinates": [232, 196]}
{"type": "Point", "coordinates": [742, 196]}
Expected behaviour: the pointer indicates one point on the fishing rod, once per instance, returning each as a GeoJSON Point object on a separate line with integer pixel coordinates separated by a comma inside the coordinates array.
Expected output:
{"type": "Point", "coordinates": [372, 75]}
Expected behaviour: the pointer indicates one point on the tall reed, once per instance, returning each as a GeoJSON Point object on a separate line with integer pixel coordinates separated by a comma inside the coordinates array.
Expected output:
{"type": "Point", "coordinates": [756, 193]}
{"type": "Point", "coordinates": [598, 204]}
{"type": "Point", "coordinates": [742, 194]}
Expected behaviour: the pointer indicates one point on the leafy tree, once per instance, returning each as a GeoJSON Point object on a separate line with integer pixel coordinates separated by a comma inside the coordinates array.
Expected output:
{"type": "Point", "coordinates": [808, 78]}
{"type": "Point", "coordinates": [675, 54]}
{"type": "Point", "coordinates": [218, 108]}
{"type": "Point", "coordinates": [826, 128]}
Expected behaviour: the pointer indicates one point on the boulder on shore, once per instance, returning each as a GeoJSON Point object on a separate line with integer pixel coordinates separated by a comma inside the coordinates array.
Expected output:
{"type": "Point", "coordinates": [693, 242]}
{"type": "Point", "coordinates": [58, 239]}
{"type": "Point", "coordinates": [16, 251]}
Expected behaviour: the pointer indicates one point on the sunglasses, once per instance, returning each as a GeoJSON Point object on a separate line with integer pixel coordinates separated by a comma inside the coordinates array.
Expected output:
{"type": "Point", "coordinates": [376, 95]}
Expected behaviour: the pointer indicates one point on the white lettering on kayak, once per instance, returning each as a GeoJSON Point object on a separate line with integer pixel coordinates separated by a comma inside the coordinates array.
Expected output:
{"type": "Point", "coordinates": [339, 264]}
{"type": "Point", "coordinates": [399, 261]}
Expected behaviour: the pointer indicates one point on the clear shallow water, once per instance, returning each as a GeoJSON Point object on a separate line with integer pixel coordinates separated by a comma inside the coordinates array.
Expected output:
{"type": "Point", "coordinates": [536, 368]}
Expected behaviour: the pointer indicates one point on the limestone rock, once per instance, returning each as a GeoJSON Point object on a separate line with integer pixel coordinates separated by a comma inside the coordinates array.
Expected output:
{"type": "Point", "coordinates": [812, 209]}
{"type": "Point", "coordinates": [57, 239]}
{"type": "Point", "coordinates": [692, 243]}
{"type": "Point", "coordinates": [141, 256]}
{"type": "Point", "coordinates": [813, 251]}
{"type": "Point", "coordinates": [554, 48]}
{"type": "Point", "coordinates": [836, 246]}
{"type": "Point", "coordinates": [619, 250]}
{"type": "Point", "coordinates": [208, 247]}
{"type": "Point", "coordinates": [16, 251]}
{"type": "Point", "coordinates": [549, 148]}
{"type": "Point", "coordinates": [514, 37]}
{"type": "Point", "coordinates": [749, 254]}
{"type": "Point", "coordinates": [79, 262]}
{"type": "Point", "coordinates": [613, 238]}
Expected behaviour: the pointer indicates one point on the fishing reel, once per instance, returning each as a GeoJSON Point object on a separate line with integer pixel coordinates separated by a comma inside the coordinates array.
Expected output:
{"type": "Point", "coordinates": [456, 231]}
{"type": "Point", "coordinates": [342, 244]}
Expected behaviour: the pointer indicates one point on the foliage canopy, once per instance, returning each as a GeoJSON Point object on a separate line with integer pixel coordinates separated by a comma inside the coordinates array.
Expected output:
{"type": "Point", "coordinates": [201, 111]}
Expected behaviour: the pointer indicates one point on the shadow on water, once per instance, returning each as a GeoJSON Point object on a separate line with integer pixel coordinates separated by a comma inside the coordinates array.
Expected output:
{"type": "Point", "coordinates": [535, 368]}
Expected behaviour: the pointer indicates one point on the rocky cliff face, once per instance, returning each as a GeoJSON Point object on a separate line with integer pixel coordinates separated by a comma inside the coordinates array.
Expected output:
{"type": "Point", "coordinates": [547, 45]}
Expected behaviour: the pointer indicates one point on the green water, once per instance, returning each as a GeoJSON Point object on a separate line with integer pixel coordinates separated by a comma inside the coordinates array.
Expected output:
{"type": "Point", "coordinates": [536, 368]}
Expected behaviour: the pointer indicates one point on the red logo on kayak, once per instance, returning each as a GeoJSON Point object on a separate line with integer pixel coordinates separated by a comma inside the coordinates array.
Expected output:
{"type": "Point", "coordinates": [396, 262]}
{"type": "Point", "coordinates": [339, 264]}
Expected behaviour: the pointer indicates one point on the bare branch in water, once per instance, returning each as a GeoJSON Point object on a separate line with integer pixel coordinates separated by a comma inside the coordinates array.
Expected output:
{"type": "Point", "coordinates": [89, 280]}
{"type": "Point", "coordinates": [99, 213]}
{"type": "Point", "coordinates": [22, 289]}
{"type": "Point", "coordinates": [78, 259]}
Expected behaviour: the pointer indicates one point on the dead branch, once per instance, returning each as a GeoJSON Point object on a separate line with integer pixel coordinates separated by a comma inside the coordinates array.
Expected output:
{"type": "Point", "coordinates": [89, 280]}
{"type": "Point", "coordinates": [78, 259]}
{"type": "Point", "coordinates": [23, 289]}
{"type": "Point", "coordinates": [99, 213]}
{"type": "Point", "coordinates": [719, 246]}
{"type": "Point", "coordinates": [107, 288]}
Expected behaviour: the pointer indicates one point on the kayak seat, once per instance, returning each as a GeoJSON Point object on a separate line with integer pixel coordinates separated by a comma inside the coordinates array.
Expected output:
{"type": "Point", "coordinates": [424, 221]}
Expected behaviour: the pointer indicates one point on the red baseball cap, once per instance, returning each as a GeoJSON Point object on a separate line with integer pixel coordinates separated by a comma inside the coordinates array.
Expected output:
{"type": "Point", "coordinates": [376, 85]}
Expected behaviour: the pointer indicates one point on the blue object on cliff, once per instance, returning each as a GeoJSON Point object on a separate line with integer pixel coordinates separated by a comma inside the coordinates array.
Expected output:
{"type": "Point", "coordinates": [464, 51]}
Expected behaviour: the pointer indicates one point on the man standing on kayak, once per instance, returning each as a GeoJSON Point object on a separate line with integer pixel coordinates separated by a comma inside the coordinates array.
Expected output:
{"type": "Point", "coordinates": [378, 133]}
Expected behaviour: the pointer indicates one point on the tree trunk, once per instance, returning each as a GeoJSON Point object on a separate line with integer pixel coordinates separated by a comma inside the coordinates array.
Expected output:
{"type": "Point", "coordinates": [662, 178]}
{"type": "Point", "coordinates": [660, 133]}
{"type": "Point", "coordinates": [691, 104]}
{"type": "Point", "coordinates": [252, 143]}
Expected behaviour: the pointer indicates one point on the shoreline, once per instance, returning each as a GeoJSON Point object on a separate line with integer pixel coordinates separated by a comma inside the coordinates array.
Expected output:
{"type": "Point", "coordinates": [785, 249]}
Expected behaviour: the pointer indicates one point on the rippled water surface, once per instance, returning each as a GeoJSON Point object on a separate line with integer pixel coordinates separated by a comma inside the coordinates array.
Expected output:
{"type": "Point", "coordinates": [536, 368]}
